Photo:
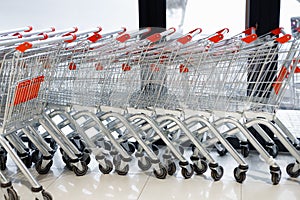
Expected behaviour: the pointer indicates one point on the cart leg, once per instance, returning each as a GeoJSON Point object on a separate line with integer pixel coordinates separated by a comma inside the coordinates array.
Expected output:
{"type": "Point", "coordinates": [36, 188]}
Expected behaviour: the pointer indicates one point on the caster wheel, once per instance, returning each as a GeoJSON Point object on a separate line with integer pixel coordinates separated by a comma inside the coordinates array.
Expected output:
{"type": "Point", "coordinates": [275, 178]}
{"type": "Point", "coordinates": [217, 174]}
{"type": "Point", "coordinates": [79, 143]}
{"type": "Point", "coordinates": [290, 172]}
{"type": "Point", "coordinates": [86, 158]}
{"type": "Point", "coordinates": [32, 146]}
{"type": "Point", "coordinates": [108, 168]}
{"type": "Point", "coordinates": [36, 156]}
{"type": "Point", "coordinates": [186, 173]}
{"type": "Point", "coordinates": [53, 144]}
{"type": "Point", "coordinates": [162, 173]}
{"type": "Point", "coordinates": [144, 166]}
{"type": "Point", "coordinates": [45, 170]}
{"type": "Point", "coordinates": [202, 170]}
{"type": "Point", "coordinates": [107, 145]}
{"type": "Point", "coordinates": [66, 160]}
{"type": "Point", "coordinates": [3, 160]}
{"type": "Point", "coordinates": [129, 147]}
{"type": "Point", "coordinates": [222, 152]}
{"type": "Point", "coordinates": [123, 171]}
{"type": "Point", "coordinates": [46, 195]}
{"type": "Point", "coordinates": [11, 194]}
{"type": "Point", "coordinates": [116, 160]}
{"type": "Point", "coordinates": [61, 151]}
{"type": "Point", "coordinates": [171, 168]}
{"type": "Point", "coordinates": [155, 149]}
{"type": "Point", "coordinates": [272, 150]}
{"type": "Point", "coordinates": [240, 177]}
{"type": "Point", "coordinates": [27, 161]}
{"type": "Point", "coordinates": [79, 172]}
{"type": "Point", "coordinates": [245, 151]}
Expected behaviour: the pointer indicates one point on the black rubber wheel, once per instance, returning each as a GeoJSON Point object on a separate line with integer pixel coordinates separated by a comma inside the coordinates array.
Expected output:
{"type": "Point", "coordinates": [61, 151]}
{"type": "Point", "coordinates": [241, 177]}
{"type": "Point", "coordinates": [12, 194]}
{"type": "Point", "coordinates": [289, 171]}
{"type": "Point", "coordinates": [203, 169]}
{"type": "Point", "coordinates": [129, 147]}
{"type": "Point", "coordinates": [86, 158]}
{"type": "Point", "coordinates": [245, 151]}
{"type": "Point", "coordinates": [155, 149]}
{"type": "Point", "coordinates": [222, 152]}
{"type": "Point", "coordinates": [107, 145]}
{"type": "Point", "coordinates": [66, 160]}
{"type": "Point", "coordinates": [79, 143]}
{"type": "Point", "coordinates": [162, 173]}
{"type": "Point", "coordinates": [217, 174]}
{"type": "Point", "coordinates": [31, 146]}
{"type": "Point", "coordinates": [27, 161]}
{"type": "Point", "coordinates": [46, 195]}
{"type": "Point", "coordinates": [108, 168]}
{"type": "Point", "coordinates": [53, 144]}
{"type": "Point", "coordinates": [3, 160]}
{"type": "Point", "coordinates": [275, 178]}
{"type": "Point", "coordinates": [36, 156]}
{"type": "Point", "coordinates": [171, 168]}
{"type": "Point", "coordinates": [80, 172]}
{"type": "Point", "coordinates": [116, 159]}
{"type": "Point", "coordinates": [44, 170]}
{"type": "Point", "coordinates": [273, 152]}
{"type": "Point", "coordinates": [145, 166]}
{"type": "Point", "coordinates": [123, 171]}
{"type": "Point", "coordinates": [186, 173]}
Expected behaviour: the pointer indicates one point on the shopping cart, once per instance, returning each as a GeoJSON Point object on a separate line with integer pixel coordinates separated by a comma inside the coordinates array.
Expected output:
{"type": "Point", "coordinates": [226, 86]}
{"type": "Point", "coordinates": [19, 84]}
{"type": "Point", "coordinates": [103, 92]}
{"type": "Point", "coordinates": [205, 89]}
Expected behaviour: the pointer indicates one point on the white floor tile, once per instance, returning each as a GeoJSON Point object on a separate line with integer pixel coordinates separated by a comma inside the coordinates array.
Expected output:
{"type": "Point", "coordinates": [252, 191]}
{"type": "Point", "coordinates": [98, 186]}
{"type": "Point", "coordinates": [195, 188]}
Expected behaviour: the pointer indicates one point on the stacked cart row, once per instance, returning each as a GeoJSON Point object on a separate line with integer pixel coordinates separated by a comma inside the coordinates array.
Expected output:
{"type": "Point", "coordinates": [155, 96]}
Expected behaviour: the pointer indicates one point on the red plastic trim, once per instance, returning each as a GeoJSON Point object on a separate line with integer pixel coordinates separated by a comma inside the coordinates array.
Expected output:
{"type": "Point", "coordinates": [99, 29]}
{"type": "Point", "coordinates": [226, 30]}
{"type": "Point", "coordinates": [185, 39]}
{"type": "Point", "coordinates": [71, 40]}
{"type": "Point", "coordinates": [124, 30]}
{"type": "Point", "coordinates": [29, 29]}
{"type": "Point", "coordinates": [154, 38]}
{"type": "Point", "coordinates": [250, 38]}
{"type": "Point", "coordinates": [249, 31]}
{"type": "Point", "coordinates": [123, 38]}
{"type": "Point", "coordinates": [284, 38]}
{"type": "Point", "coordinates": [95, 37]}
{"type": "Point", "coordinates": [23, 47]}
{"type": "Point", "coordinates": [276, 31]}
{"type": "Point", "coordinates": [216, 38]}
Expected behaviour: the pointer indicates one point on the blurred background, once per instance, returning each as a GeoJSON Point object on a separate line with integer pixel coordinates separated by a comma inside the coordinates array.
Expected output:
{"type": "Point", "coordinates": [185, 15]}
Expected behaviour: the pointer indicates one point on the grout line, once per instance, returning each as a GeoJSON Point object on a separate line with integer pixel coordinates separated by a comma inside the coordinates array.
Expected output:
{"type": "Point", "coordinates": [144, 187]}
{"type": "Point", "coordinates": [58, 177]}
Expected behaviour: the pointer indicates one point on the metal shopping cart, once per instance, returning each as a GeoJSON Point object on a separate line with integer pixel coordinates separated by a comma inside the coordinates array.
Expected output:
{"type": "Point", "coordinates": [104, 92]}
{"type": "Point", "coordinates": [220, 88]}
{"type": "Point", "coordinates": [20, 85]}
{"type": "Point", "coordinates": [224, 85]}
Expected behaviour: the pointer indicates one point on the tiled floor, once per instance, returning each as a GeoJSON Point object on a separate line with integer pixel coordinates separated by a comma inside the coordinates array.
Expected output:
{"type": "Point", "coordinates": [139, 185]}
{"type": "Point", "coordinates": [63, 184]}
